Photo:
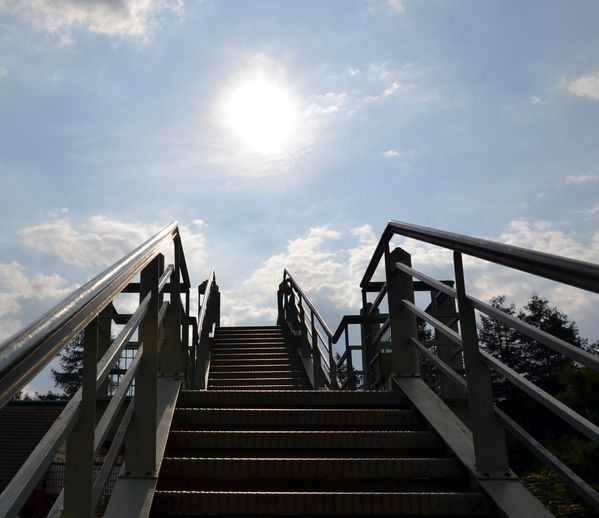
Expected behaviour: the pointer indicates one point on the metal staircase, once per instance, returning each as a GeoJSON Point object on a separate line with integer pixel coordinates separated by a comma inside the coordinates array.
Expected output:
{"type": "Point", "coordinates": [295, 419]}
{"type": "Point", "coordinates": [255, 358]}
{"type": "Point", "coordinates": [259, 443]}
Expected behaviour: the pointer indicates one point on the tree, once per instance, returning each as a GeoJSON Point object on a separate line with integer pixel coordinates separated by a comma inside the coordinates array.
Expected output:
{"type": "Point", "coordinates": [535, 361]}
{"type": "Point", "coordinates": [544, 365]}
{"type": "Point", "coordinates": [71, 363]}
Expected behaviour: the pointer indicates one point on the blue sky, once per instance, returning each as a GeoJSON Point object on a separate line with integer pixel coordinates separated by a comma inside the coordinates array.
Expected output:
{"type": "Point", "coordinates": [118, 116]}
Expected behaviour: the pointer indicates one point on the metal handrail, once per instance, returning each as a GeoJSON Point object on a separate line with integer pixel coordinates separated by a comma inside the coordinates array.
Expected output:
{"type": "Point", "coordinates": [24, 354]}
{"type": "Point", "coordinates": [580, 274]}
{"type": "Point", "coordinates": [489, 452]}
{"type": "Point", "coordinates": [29, 350]}
{"type": "Point", "coordinates": [310, 304]}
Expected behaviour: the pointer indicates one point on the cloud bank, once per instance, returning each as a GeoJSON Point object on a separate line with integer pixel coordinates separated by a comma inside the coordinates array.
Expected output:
{"type": "Point", "coordinates": [121, 18]}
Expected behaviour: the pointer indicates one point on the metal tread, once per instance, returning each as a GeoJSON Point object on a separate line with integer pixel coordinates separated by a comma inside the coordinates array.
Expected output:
{"type": "Point", "coordinates": [288, 416]}
{"type": "Point", "coordinates": [281, 387]}
{"type": "Point", "coordinates": [346, 398]}
{"type": "Point", "coordinates": [321, 503]}
{"type": "Point", "coordinates": [305, 439]}
{"type": "Point", "coordinates": [287, 373]}
{"type": "Point", "coordinates": [314, 468]}
{"type": "Point", "coordinates": [275, 380]}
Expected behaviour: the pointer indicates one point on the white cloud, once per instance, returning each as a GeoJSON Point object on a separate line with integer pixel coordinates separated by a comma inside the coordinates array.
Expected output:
{"type": "Point", "coordinates": [328, 272]}
{"type": "Point", "coordinates": [392, 88]}
{"type": "Point", "coordinates": [535, 99]}
{"type": "Point", "coordinates": [397, 5]}
{"type": "Point", "coordinates": [353, 72]}
{"type": "Point", "coordinates": [391, 153]}
{"type": "Point", "coordinates": [3, 71]}
{"type": "Point", "coordinates": [582, 178]}
{"type": "Point", "coordinates": [17, 287]}
{"type": "Point", "coordinates": [586, 86]}
{"type": "Point", "coordinates": [100, 241]}
{"type": "Point", "coordinates": [123, 18]}
{"type": "Point", "coordinates": [592, 211]}
{"type": "Point", "coordinates": [328, 103]}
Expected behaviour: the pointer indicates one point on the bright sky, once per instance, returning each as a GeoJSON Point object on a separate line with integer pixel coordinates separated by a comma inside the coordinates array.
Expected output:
{"type": "Point", "coordinates": [288, 134]}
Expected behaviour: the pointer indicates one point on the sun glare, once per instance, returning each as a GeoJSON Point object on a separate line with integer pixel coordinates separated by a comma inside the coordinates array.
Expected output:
{"type": "Point", "coordinates": [263, 115]}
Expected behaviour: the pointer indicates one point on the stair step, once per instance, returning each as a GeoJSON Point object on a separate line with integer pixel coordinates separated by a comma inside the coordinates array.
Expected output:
{"type": "Point", "coordinates": [320, 503]}
{"type": "Point", "coordinates": [289, 387]}
{"type": "Point", "coordinates": [228, 354]}
{"type": "Point", "coordinates": [232, 329]}
{"type": "Point", "coordinates": [226, 340]}
{"type": "Point", "coordinates": [222, 362]}
{"type": "Point", "coordinates": [315, 398]}
{"type": "Point", "coordinates": [287, 416]}
{"type": "Point", "coordinates": [262, 380]}
{"type": "Point", "coordinates": [233, 368]}
{"type": "Point", "coordinates": [307, 439]}
{"type": "Point", "coordinates": [276, 374]}
{"type": "Point", "coordinates": [313, 468]}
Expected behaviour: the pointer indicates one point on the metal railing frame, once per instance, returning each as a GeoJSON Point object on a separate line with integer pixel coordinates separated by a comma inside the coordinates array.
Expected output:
{"type": "Point", "coordinates": [465, 368]}
{"type": "Point", "coordinates": [297, 311]}
{"type": "Point", "coordinates": [488, 436]}
{"type": "Point", "coordinates": [163, 351]}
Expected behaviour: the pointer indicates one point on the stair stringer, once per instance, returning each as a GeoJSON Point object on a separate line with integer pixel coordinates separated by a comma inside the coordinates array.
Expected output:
{"type": "Point", "coordinates": [510, 495]}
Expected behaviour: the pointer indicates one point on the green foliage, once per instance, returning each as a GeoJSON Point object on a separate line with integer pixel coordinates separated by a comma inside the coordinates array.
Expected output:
{"type": "Point", "coordinates": [575, 386]}
{"type": "Point", "coordinates": [71, 363]}
{"type": "Point", "coordinates": [554, 494]}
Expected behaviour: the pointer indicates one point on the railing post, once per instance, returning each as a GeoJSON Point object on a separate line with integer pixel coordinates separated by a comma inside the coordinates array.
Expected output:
{"type": "Point", "coordinates": [317, 373]}
{"type": "Point", "coordinates": [444, 309]}
{"type": "Point", "coordinates": [141, 437]}
{"type": "Point", "coordinates": [79, 469]}
{"type": "Point", "coordinates": [280, 304]}
{"type": "Point", "coordinates": [292, 316]}
{"type": "Point", "coordinates": [171, 354]}
{"type": "Point", "coordinates": [351, 375]}
{"type": "Point", "coordinates": [403, 323]}
{"type": "Point", "coordinates": [488, 435]}
{"type": "Point", "coordinates": [332, 365]}
{"type": "Point", "coordinates": [366, 337]}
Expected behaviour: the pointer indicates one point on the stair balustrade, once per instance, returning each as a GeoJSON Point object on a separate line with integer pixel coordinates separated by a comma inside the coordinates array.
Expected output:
{"type": "Point", "coordinates": [465, 368]}
{"type": "Point", "coordinates": [193, 373]}
{"type": "Point", "coordinates": [162, 360]}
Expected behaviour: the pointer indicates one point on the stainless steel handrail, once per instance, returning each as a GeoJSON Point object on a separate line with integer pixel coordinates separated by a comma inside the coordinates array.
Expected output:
{"type": "Point", "coordinates": [576, 273]}
{"type": "Point", "coordinates": [28, 351]}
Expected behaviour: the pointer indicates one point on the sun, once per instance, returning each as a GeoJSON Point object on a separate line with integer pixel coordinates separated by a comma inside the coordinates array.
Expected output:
{"type": "Point", "coordinates": [263, 115]}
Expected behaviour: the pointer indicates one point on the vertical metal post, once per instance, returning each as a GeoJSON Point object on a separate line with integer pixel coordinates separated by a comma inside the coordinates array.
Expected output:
{"type": "Point", "coordinates": [171, 354]}
{"type": "Point", "coordinates": [332, 365]}
{"type": "Point", "coordinates": [317, 373]}
{"type": "Point", "coordinates": [301, 317]}
{"type": "Point", "coordinates": [291, 315]}
{"type": "Point", "coordinates": [400, 287]}
{"type": "Point", "coordinates": [488, 435]}
{"type": "Point", "coordinates": [351, 375]}
{"type": "Point", "coordinates": [280, 305]}
{"type": "Point", "coordinates": [141, 437]}
{"type": "Point", "coordinates": [366, 342]}
{"type": "Point", "coordinates": [216, 295]}
{"type": "Point", "coordinates": [104, 342]}
{"type": "Point", "coordinates": [443, 308]}
{"type": "Point", "coordinates": [79, 469]}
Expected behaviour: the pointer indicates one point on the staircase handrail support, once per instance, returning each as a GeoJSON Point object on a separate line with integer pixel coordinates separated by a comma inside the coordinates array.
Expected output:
{"type": "Point", "coordinates": [307, 316]}
{"type": "Point", "coordinates": [575, 273]}
{"type": "Point", "coordinates": [208, 317]}
{"type": "Point", "coordinates": [159, 324]}
{"type": "Point", "coordinates": [39, 340]}
{"type": "Point", "coordinates": [580, 274]}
